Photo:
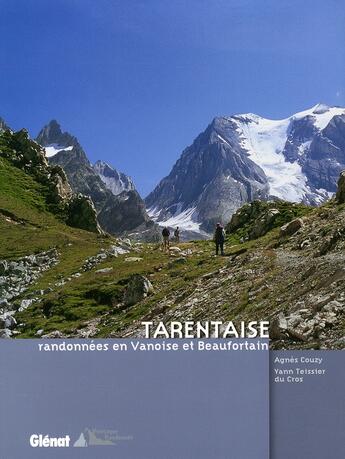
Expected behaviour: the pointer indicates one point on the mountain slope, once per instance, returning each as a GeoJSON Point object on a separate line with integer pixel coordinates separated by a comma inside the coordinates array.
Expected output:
{"type": "Point", "coordinates": [116, 214]}
{"type": "Point", "coordinates": [244, 157]}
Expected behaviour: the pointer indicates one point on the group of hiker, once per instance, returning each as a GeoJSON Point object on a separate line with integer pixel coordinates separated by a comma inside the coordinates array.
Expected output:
{"type": "Point", "coordinates": [166, 237]}
{"type": "Point", "coordinates": [218, 238]}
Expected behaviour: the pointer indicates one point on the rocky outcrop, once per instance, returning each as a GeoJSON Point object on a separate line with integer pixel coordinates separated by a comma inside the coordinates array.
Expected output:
{"type": "Point", "coordinates": [24, 153]}
{"type": "Point", "coordinates": [82, 214]}
{"type": "Point", "coordinates": [51, 135]}
{"type": "Point", "coordinates": [138, 288]}
{"type": "Point", "coordinates": [291, 228]}
{"type": "Point", "coordinates": [258, 218]}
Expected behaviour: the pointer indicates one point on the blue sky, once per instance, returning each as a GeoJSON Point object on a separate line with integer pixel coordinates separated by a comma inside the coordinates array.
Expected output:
{"type": "Point", "coordinates": [137, 80]}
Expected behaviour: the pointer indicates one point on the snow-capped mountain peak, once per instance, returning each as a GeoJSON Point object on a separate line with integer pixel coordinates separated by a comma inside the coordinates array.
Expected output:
{"type": "Point", "coordinates": [265, 141]}
{"type": "Point", "coordinates": [321, 114]}
{"type": "Point", "coordinates": [115, 181]}
{"type": "Point", "coordinates": [54, 140]}
{"type": "Point", "coordinates": [244, 157]}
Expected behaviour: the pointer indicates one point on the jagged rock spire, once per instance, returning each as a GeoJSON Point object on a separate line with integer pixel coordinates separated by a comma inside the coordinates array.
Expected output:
{"type": "Point", "coordinates": [52, 134]}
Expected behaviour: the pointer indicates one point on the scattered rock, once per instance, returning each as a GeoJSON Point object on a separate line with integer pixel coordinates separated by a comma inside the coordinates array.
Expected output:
{"type": "Point", "coordinates": [104, 270]}
{"type": "Point", "coordinates": [24, 304]}
{"type": "Point", "coordinates": [132, 259]}
{"type": "Point", "coordinates": [21, 273]}
{"type": "Point", "coordinates": [53, 335]}
{"type": "Point", "coordinates": [304, 244]}
{"type": "Point", "coordinates": [9, 322]}
{"type": "Point", "coordinates": [113, 251]}
{"type": "Point", "coordinates": [330, 242]}
{"type": "Point", "coordinates": [6, 333]}
{"type": "Point", "coordinates": [4, 304]}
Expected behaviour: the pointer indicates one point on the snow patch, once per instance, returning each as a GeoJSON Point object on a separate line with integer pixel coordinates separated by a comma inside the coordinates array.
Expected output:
{"type": "Point", "coordinates": [321, 113]}
{"type": "Point", "coordinates": [116, 186]}
{"type": "Point", "coordinates": [303, 148]}
{"type": "Point", "coordinates": [265, 140]}
{"type": "Point", "coordinates": [54, 148]}
{"type": "Point", "coordinates": [182, 219]}
{"type": "Point", "coordinates": [153, 212]}
{"type": "Point", "coordinates": [223, 140]}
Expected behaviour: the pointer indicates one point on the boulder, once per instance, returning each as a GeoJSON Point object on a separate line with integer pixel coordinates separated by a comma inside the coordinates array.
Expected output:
{"type": "Point", "coordinates": [175, 249]}
{"type": "Point", "coordinates": [132, 259]}
{"type": "Point", "coordinates": [104, 270]}
{"type": "Point", "coordinates": [4, 304]}
{"type": "Point", "coordinates": [278, 327]}
{"type": "Point", "coordinates": [3, 267]}
{"type": "Point", "coordinates": [8, 321]}
{"type": "Point", "coordinates": [291, 228]}
{"type": "Point", "coordinates": [82, 214]}
{"type": "Point", "coordinates": [115, 251]}
{"type": "Point", "coordinates": [264, 224]}
{"type": "Point", "coordinates": [5, 333]}
{"type": "Point", "coordinates": [137, 289]}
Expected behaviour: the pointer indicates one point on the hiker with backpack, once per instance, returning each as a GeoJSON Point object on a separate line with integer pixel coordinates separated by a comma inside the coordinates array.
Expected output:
{"type": "Point", "coordinates": [166, 235]}
{"type": "Point", "coordinates": [219, 238]}
{"type": "Point", "coordinates": [177, 235]}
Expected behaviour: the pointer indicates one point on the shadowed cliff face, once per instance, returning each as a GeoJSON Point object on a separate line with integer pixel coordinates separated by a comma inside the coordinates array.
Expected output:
{"type": "Point", "coordinates": [245, 157]}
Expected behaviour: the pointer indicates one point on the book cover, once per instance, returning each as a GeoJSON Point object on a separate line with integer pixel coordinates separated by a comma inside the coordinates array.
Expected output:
{"type": "Point", "coordinates": [172, 229]}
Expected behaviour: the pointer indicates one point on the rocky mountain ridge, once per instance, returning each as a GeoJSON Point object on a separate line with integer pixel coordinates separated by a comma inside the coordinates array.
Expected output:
{"type": "Point", "coordinates": [119, 207]}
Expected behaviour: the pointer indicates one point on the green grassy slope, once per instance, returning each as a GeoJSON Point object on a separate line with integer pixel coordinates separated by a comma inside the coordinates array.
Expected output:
{"type": "Point", "coordinates": [27, 227]}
